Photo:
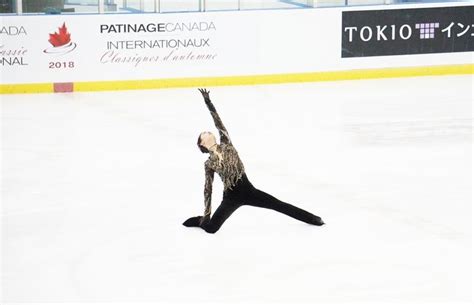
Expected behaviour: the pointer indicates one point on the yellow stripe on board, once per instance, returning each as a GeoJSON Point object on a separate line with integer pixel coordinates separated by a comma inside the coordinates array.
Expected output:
{"type": "Point", "coordinates": [247, 80]}
{"type": "Point", "coordinates": [27, 88]}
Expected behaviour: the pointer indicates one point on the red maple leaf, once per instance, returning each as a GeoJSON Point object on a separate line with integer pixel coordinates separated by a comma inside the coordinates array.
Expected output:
{"type": "Point", "coordinates": [61, 38]}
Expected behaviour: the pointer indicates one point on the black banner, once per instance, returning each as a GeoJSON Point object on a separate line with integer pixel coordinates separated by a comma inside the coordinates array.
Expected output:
{"type": "Point", "coordinates": [407, 31]}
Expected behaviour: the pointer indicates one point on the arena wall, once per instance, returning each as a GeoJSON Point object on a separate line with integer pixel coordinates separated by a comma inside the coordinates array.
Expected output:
{"type": "Point", "coordinates": [63, 53]}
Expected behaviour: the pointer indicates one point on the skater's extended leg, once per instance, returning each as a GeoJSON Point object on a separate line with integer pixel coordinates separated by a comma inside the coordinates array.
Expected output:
{"type": "Point", "coordinates": [263, 200]}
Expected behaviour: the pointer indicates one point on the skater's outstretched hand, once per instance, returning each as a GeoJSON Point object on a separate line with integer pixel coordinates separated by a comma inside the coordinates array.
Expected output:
{"type": "Point", "coordinates": [205, 93]}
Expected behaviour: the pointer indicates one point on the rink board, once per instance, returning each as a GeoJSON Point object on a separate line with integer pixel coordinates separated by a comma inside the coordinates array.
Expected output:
{"type": "Point", "coordinates": [65, 53]}
{"type": "Point", "coordinates": [238, 80]}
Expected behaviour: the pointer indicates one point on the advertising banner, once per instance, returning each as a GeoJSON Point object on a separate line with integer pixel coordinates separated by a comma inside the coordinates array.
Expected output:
{"type": "Point", "coordinates": [407, 31]}
{"type": "Point", "coordinates": [74, 47]}
{"type": "Point", "coordinates": [116, 47]}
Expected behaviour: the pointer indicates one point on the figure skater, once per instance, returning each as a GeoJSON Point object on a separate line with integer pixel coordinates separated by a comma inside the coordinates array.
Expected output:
{"type": "Point", "coordinates": [238, 191]}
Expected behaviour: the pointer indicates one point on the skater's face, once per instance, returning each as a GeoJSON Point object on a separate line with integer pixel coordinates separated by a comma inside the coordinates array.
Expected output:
{"type": "Point", "coordinates": [205, 141]}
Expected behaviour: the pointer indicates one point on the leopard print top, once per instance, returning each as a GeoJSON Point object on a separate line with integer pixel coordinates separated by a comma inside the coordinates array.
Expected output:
{"type": "Point", "coordinates": [225, 162]}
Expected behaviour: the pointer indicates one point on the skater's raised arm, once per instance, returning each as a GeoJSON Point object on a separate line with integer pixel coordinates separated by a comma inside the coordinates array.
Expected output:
{"type": "Point", "coordinates": [224, 135]}
{"type": "Point", "coordinates": [208, 191]}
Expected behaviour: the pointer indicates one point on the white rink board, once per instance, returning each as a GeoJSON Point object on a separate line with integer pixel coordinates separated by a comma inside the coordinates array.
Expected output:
{"type": "Point", "coordinates": [236, 43]}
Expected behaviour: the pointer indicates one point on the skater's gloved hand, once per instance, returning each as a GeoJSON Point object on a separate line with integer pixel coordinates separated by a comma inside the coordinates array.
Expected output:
{"type": "Point", "coordinates": [205, 93]}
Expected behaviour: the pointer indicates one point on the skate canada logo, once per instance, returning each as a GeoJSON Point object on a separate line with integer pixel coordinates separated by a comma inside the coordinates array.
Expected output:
{"type": "Point", "coordinates": [407, 31]}
{"type": "Point", "coordinates": [61, 42]}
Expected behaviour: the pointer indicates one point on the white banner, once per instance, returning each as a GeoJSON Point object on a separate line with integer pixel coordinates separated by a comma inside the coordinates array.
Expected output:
{"type": "Point", "coordinates": [75, 48]}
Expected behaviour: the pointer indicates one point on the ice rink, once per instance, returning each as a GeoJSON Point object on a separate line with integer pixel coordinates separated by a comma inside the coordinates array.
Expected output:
{"type": "Point", "coordinates": [96, 186]}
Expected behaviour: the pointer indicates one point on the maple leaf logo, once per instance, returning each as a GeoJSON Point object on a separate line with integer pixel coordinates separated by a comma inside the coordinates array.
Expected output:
{"type": "Point", "coordinates": [61, 42]}
{"type": "Point", "coordinates": [60, 39]}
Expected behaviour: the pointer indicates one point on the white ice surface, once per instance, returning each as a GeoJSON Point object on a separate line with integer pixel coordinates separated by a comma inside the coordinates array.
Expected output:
{"type": "Point", "coordinates": [96, 186]}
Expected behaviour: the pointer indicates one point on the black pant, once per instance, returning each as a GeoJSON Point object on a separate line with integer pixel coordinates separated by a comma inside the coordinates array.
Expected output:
{"type": "Point", "coordinates": [244, 193]}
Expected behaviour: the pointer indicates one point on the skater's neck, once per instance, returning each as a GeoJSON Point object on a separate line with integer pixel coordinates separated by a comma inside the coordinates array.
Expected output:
{"type": "Point", "coordinates": [213, 148]}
